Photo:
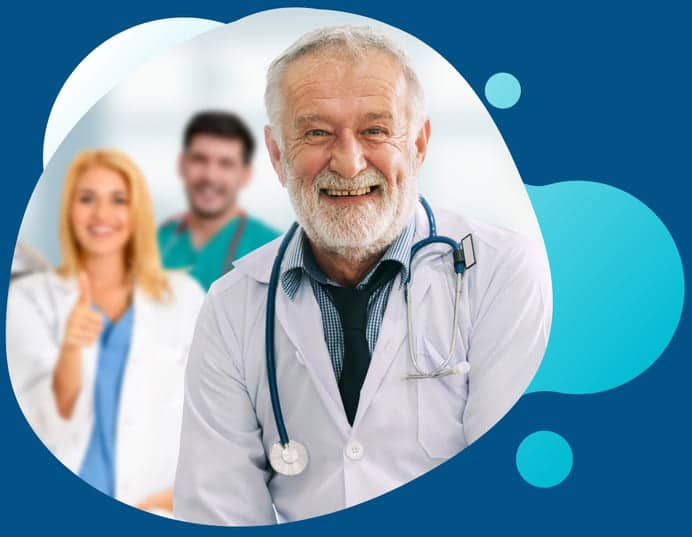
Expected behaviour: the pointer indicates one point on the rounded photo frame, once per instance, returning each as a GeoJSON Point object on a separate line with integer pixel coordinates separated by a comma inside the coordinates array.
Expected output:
{"type": "Point", "coordinates": [467, 153]}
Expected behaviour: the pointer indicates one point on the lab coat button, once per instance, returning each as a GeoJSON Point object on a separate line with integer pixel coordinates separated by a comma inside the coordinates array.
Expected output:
{"type": "Point", "coordinates": [354, 451]}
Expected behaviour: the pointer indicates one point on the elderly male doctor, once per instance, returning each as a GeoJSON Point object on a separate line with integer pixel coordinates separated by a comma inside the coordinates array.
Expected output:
{"type": "Point", "coordinates": [347, 138]}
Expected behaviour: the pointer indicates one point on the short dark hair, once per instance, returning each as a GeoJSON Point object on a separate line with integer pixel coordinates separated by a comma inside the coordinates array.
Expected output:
{"type": "Point", "coordinates": [224, 125]}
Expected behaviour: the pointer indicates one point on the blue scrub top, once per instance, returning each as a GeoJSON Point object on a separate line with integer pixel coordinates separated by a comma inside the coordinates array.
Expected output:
{"type": "Point", "coordinates": [98, 466]}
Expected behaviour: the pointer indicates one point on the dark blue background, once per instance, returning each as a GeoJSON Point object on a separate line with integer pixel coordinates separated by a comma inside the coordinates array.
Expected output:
{"type": "Point", "coordinates": [606, 97]}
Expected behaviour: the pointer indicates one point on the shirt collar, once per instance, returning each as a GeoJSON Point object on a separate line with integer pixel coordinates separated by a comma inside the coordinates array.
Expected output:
{"type": "Point", "coordinates": [299, 260]}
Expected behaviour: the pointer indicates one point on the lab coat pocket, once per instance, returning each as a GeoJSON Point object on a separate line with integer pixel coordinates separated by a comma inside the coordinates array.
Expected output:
{"type": "Point", "coordinates": [169, 367]}
{"type": "Point", "coordinates": [441, 403]}
{"type": "Point", "coordinates": [161, 413]}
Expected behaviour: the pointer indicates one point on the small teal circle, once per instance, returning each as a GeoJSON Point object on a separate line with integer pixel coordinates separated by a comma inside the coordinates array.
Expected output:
{"type": "Point", "coordinates": [544, 459]}
{"type": "Point", "coordinates": [502, 90]}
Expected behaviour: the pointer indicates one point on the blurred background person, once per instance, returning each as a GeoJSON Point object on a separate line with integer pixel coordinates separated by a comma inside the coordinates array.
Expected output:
{"type": "Point", "coordinates": [27, 260]}
{"type": "Point", "coordinates": [97, 349]}
{"type": "Point", "coordinates": [215, 165]}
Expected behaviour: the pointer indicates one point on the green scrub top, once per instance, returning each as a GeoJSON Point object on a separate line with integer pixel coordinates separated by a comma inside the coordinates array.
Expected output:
{"type": "Point", "coordinates": [207, 263]}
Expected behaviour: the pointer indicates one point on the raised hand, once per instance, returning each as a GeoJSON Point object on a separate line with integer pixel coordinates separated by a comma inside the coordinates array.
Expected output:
{"type": "Point", "coordinates": [84, 325]}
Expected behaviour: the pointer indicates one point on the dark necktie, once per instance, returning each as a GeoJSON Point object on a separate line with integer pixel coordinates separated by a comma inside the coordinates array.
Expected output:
{"type": "Point", "coordinates": [352, 305]}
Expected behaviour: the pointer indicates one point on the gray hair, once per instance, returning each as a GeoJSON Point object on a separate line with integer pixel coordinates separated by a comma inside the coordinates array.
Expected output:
{"type": "Point", "coordinates": [351, 41]}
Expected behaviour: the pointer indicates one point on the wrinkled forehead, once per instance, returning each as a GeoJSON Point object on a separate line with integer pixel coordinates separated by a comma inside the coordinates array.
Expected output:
{"type": "Point", "coordinates": [336, 76]}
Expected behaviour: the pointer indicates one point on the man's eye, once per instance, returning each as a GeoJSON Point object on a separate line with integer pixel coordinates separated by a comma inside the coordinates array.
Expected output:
{"type": "Point", "coordinates": [374, 131]}
{"type": "Point", "coordinates": [316, 133]}
{"type": "Point", "coordinates": [227, 164]}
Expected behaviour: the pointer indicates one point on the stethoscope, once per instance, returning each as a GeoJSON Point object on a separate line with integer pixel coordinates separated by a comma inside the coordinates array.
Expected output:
{"type": "Point", "coordinates": [289, 457]}
{"type": "Point", "coordinates": [182, 226]}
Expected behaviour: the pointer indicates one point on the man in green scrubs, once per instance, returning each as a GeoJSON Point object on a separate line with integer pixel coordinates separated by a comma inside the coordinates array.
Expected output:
{"type": "Point", "coordinates": [215, 165]}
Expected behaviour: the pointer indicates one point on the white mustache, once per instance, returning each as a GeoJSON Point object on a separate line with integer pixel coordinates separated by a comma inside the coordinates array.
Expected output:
{"type": "Point", "coordinates": [331, 180]}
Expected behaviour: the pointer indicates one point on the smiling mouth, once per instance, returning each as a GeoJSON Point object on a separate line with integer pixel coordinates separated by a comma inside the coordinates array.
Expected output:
{"type": "Point", "coordinates": [101, 231]}
{"type": "Point", "coordinates": [209, 191]}
{"type": "Point", "coordinates": [339, 193]}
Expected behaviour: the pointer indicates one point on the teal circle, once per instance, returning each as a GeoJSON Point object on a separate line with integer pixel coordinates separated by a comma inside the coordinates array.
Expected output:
{"type": "Point", "coordinates": [544, 459]}
{"type": "Point", "coordinates": [502, 90]}
{"type": "Point", "coordinates": [618, 285]}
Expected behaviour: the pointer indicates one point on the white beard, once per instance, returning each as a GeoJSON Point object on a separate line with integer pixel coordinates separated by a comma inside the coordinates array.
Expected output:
{"type": "Point", "coordinates": [359, 231]}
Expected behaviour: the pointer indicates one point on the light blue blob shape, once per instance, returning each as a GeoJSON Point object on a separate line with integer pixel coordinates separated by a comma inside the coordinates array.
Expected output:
{"type": "Point", "coordinates": [502, 90]}
{"type": "Point", "coordinates": [618, 286]}
{"type": "Point", "coordinates": [544, 459]}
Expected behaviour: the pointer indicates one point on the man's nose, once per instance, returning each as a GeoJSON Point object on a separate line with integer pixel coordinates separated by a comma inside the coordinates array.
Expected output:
{"type": "Point", "coordinates": [347, 156]}
{"type": "Point", "coordinates": [207, 170]}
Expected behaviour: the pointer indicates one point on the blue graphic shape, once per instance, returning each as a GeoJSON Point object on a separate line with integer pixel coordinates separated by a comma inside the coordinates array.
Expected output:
{"type": "Point", "coordinates": [502, 90]}
{"type": "Point", "coordinates": [618, 286]}
{"type": "Point", "coordinates": [544, 459]}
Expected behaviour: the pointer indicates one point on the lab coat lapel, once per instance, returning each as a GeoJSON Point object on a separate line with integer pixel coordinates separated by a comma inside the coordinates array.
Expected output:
{"type": "Point", "coordinates": [142, 317]}
{"type": "Point", "coordinates": [392, 336]}
{"type": "Point", "coordinates": [301, 320]}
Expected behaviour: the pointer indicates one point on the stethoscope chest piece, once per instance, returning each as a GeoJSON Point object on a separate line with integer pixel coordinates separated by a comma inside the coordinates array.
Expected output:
{"type": "Point", "coordinates": [291, 459]}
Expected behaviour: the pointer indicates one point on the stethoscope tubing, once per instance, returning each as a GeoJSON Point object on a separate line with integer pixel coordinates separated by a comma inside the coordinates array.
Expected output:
{"type": "Point", "coordinates": [271, 308]}
{"type": "Point", "coordinates": [269, 336]}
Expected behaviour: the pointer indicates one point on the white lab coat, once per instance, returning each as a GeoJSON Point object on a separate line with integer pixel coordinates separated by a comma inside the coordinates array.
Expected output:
{"type": "Point", "coordinates": [148, 423]}
{"type": "Point", "coordinates": [402, 429]}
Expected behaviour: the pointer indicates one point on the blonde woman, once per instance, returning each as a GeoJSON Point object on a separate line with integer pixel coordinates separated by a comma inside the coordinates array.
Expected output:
{"type": "Point", "coordinates": [97, 349]}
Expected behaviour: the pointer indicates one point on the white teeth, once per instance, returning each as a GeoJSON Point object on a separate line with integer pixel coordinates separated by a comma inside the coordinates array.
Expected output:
{"type": "Point", "coordinates": [358, 192]}
{"type": "Point", "coordinates": [101, 230]}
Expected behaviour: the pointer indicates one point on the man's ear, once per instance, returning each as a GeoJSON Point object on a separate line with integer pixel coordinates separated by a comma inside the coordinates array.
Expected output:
{"type": "Point", "coordinates": [274, 153]}
{"type": "Point", "coordinates": [421, 142]}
